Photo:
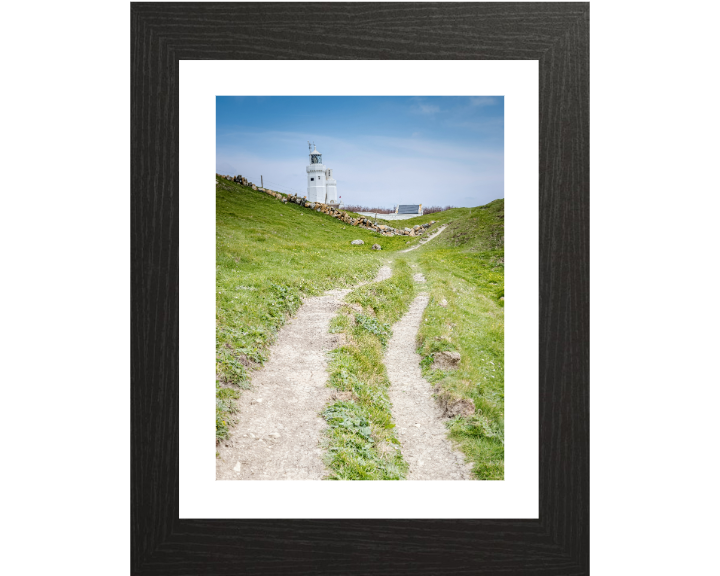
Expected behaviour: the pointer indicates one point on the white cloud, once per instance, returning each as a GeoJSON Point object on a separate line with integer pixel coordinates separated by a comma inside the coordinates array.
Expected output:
{"type": "Point", "coordinates": [428, 108]}
{"type": "Point", "coordinates": [424, 108]}
{"type": "Point", "coordinates": [483, 101]}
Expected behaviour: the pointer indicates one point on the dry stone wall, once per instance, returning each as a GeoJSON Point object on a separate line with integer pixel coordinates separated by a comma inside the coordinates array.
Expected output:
{"type": "Point", "coordinates": [239, 179]}
{"type": "Point", "coordinates": [360, 221]}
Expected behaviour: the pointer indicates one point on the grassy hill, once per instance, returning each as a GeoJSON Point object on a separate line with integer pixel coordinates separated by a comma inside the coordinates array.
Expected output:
{"type": "Point", "coordinates": [270, 255]}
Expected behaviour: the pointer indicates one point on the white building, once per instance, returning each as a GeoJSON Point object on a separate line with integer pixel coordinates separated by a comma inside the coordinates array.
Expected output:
{"type": "Point", "coordinates": [322, 187]}
{"type": "Point", "coordinates": [330, 187]}
{"type": "Point", "coordinates": [402, 212]}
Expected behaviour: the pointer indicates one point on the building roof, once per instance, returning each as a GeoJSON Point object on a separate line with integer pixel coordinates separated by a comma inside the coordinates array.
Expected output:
{"type": "Point", "coordinates": [409, 209]}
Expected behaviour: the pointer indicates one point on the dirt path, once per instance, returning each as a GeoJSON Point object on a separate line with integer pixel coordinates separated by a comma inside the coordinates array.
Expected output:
{"type": "Point", "coordinates": [279, 429]}
{"type": "Point", "coordinates": [422, 433]}
{"type": "Point", "coordinates": [426, 240]}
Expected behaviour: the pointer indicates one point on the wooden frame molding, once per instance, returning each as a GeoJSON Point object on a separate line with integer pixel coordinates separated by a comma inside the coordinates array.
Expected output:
{"type": "Point", "coordinates": [555, 34]}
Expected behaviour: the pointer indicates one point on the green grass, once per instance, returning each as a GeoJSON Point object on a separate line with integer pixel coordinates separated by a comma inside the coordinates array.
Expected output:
{"type": "Point", "coordinates": [269, 255]}
{"type": "Point", "coordinates": [224, 409]}
{"type": "Point", "coordinates": [361, 441]}
{"type": "Point", "coordinates": [465, 267]}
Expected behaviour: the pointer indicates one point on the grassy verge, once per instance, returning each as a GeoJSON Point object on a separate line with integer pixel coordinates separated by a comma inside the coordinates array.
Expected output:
{"type": "Point", "coordinates": [464, 267]}
{"type": "Point", "coordinates": [361, 442]}
{"type": "Point", "coordinates": [269, 256]}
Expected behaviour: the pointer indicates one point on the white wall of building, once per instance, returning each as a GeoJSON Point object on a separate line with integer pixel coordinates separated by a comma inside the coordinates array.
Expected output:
{"type": "Point", "coordinates": [390, 216]}
{"type": "Point", "coordinates": [321, 186]}
{"type": "Point", "coordinates": [316, 183]}
{"type": "Point", "coordinates": [330, 187]}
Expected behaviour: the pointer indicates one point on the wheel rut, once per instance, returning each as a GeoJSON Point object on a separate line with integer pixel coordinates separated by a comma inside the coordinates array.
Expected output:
{"type": "Point", "coordinates": [279, 428]}
{"type": "Point", "coordinates": [418, 418]}
{"type": "Point", "coordinates": [426, 240]}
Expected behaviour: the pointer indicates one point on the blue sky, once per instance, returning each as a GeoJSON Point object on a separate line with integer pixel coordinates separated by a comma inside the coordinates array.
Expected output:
{"type": "Point", "coordinates": [383, 150]}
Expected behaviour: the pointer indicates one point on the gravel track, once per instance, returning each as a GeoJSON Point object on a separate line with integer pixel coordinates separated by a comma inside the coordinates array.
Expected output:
{"type": "Point", "coordinates": [418, 418]}
{"type": "Point", "coordinates": [426, 240]}
{"type": "Point", "coordinates": [279, 430]}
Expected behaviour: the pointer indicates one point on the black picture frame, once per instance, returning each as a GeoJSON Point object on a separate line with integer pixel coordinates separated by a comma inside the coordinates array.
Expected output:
{"type": "Point", "coordinates": [555, 34]}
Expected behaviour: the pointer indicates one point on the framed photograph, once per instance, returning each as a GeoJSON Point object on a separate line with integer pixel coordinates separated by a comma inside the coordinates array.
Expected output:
{"type": "Point", "coordinates": [319, 200]}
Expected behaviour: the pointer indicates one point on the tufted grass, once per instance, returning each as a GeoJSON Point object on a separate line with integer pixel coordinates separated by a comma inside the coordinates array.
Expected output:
{"type": "Point", "coordinates": [361, 441]}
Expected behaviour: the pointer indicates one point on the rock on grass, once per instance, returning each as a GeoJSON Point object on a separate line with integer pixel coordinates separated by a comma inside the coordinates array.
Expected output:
{"type": "Point", "coordinates": [445, 360]}
{"type": "Point", "coordinates": [452, 405]}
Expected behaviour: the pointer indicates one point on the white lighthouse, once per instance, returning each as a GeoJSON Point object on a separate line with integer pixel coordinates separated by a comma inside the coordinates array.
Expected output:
{"type": "Point", "coordinates": [330, 187]}
{"type": "Point", "coordinates": [321, 187]}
